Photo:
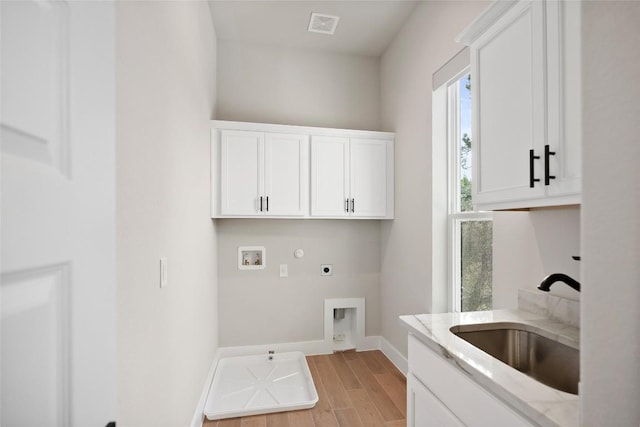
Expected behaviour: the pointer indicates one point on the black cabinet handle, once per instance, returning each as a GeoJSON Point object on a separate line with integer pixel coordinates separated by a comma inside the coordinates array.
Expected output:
{"type": "Point", "coordinates": [267, 203]}
{"type": "Point", "coordinates": [547, 154]}
{"type": "Point", "coordinates": [532, 179]}
{"type": "Point", "coordinates": [260, 203]}
{"type": "Point", "coordinates": [353, 205]}
{"type": "Point", "coordinates": [346, 206]}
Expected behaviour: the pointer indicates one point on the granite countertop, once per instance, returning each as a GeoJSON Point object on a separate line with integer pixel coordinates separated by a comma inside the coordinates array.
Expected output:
{"type": "Point", "coordinates": [542, 404]}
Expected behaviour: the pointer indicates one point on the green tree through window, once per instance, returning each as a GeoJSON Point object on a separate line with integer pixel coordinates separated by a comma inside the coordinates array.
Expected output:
{"type": "Point", "coordinates": [473, 233]}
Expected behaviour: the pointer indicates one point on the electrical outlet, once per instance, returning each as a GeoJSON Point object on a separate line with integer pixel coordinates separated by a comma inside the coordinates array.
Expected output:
{"type": "Point", "coordinates": [326, 269]}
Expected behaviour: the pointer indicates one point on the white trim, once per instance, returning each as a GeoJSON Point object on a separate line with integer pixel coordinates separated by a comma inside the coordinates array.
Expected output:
{"type": "Point", "coordinates": [484, 21]}
{"type": "Point", "coordinates": [198, 416]}
{"type": "Point", "coordinates": [332, 303]}
{"type": "Point", "coordinates": [451, 69]}
{"type": "Point", "coordinates": [309, 348]}
{"type": "Point", "coordinates": [394, 356]}
{"type": "Point", "coordinates": [305, 130]}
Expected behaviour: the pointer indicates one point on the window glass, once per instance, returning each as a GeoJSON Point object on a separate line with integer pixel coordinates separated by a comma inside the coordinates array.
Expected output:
{"type": "Point", "coordinates": [476, 262]}
{"type": "Point", "coordinates": [471, 231]}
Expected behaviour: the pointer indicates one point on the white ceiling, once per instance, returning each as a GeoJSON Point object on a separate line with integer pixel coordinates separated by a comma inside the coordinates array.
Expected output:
{"type": "Point", "coordinates": [365, 27]}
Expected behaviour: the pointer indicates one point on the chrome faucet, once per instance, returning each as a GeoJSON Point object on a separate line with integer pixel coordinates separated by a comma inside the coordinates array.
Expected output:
{"type": "Point", "coordinates": [558, 277]}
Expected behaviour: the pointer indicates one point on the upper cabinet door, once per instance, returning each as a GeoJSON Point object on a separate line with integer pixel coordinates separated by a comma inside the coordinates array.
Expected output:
{"type": "Point", "coordinates": [368, 177]}
{"type": "Point", "coordinates": [508, 94]}
{"type": "Point", "coordinates": [329, 176]}
{"type": "Point", "coordinates": [241, 173]}
{"type": "Point", "coordinates": [526, 95]}
{"type": "Point", "coordinates": [564, 97]}
{"type": "Point", "coordinates": [285, 174]}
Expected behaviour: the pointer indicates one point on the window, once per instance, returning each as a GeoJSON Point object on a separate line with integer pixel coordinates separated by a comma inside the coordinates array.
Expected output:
{"type": "Point", "coordinates": [470, 232]}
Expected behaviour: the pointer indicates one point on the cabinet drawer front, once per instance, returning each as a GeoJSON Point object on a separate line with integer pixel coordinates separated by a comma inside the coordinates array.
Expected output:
{"type": "Point", "coordinates": [466, 399]}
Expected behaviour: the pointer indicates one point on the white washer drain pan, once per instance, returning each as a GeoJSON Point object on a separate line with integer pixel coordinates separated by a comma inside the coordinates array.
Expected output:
{"type": "Point", "coordinates": [250, 385]}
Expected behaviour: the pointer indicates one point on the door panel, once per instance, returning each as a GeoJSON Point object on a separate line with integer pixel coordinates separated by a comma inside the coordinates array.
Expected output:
{"type": "Point", "coordinates": [58, 214]}
{"type": "Point", "coordinates": [35, 337]}
{"type": "Point", "coordinates": [35, 86]}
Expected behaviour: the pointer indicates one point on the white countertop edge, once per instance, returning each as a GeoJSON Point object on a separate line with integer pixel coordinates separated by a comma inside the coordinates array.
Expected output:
{"type": "Point", "coordinates": [541, 404]}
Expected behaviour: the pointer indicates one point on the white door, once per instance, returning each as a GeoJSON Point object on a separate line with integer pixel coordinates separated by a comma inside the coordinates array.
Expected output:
{"type": "Point", "coordinates": [507, 84]}
{"type": "Point", "coordinates": [241, 173]}
{"type": "Point", "coordinates": [58, 222]}
{"type": "Point", "coordinates": [329, 176]}
{"type": "Point", "coordinates": [286, 159]}
{"type": "Point", "coordinates": [368, 177]}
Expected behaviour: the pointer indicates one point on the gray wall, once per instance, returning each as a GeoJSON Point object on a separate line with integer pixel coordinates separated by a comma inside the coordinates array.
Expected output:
{"type": "Point", "coordinates": [266, 84]}
{"type": "Point", "coordinates": [259, 83]}
{"type": "Point", "coordinates": [527, 246]}
{"type": "Point", "coordinates": [259, 307]}
{"type": "Point", "coordinates": [424, 44]}
{"type": "Point", "coordinates": [610, 328]}
{"type": "Point", "coordinates": [165, 92]}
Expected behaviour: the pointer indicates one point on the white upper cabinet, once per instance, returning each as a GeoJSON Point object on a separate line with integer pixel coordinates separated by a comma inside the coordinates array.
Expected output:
{"type": "Point", "coordinates": [263, 170]}
{"type": "Point", "coordinates": [262, 173]}
{"type": "Point", "coordinates": [526, 104]}
{"type": "Point", "coordinates": [286, 159]}
{"type": "Point", "coordinates": [241, 172]}
{"type": "Point", "coordinates": [349, 177]}
{"type": "Point", "coordinates": [330, 176]}
{"type": "Point", "coordinates": [368, 185]}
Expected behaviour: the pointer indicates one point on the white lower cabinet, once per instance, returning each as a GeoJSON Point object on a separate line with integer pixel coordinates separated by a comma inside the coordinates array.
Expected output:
{"type": "Point", "coordinates": [439, 394]}
{"type": "Point", "coordinates": [424, 409]}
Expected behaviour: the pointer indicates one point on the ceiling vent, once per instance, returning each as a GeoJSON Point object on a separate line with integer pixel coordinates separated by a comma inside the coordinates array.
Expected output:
{"type": "Point", "coordinates": [325, 24]}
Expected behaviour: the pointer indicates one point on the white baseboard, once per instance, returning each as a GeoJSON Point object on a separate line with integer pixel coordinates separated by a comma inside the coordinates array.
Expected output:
{"type": "Point", "coordinates": [198, 416]}
{"type": "Point", "coordinates": [394, 355]}
{"type": "Point", "coordinates": [309, 348]}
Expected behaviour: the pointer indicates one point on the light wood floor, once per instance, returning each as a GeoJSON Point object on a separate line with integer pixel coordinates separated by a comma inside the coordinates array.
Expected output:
{"type": "Point", "coordinates": [354, 389]}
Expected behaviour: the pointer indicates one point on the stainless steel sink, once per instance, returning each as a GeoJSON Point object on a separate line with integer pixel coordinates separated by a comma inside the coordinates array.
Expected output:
{"type": "Point", "coordinates": [524, 348]}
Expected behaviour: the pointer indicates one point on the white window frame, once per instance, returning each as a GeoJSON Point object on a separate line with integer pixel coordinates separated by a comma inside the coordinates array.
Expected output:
{"type": "Point", "coordinates": [455, 218]}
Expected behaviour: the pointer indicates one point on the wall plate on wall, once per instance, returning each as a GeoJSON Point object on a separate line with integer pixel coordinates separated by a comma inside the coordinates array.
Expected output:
{"type": "Point", "coordinates": [252, 257]}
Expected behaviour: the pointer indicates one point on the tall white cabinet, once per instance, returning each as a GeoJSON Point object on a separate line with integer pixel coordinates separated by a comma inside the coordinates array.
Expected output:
{"type": "Point", "coordinates": [280, 171]}
{"type": "Point", "coordinates": [525, 84]}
